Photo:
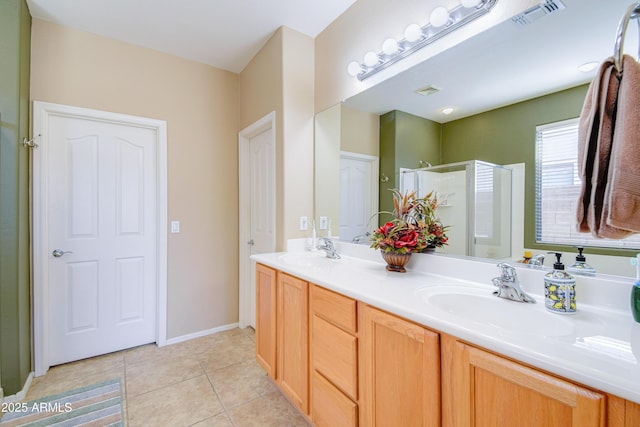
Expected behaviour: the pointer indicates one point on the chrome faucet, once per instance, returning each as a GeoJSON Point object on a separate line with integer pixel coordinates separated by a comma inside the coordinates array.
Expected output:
{"type": "Point", "coordinates": [537, 260]}
{"type": "Point", "coordinates": [362, 239]}
{"type": "Point", "coordinates": [509, 286]}
{"type": "Point", "coordinates": [326, 244]}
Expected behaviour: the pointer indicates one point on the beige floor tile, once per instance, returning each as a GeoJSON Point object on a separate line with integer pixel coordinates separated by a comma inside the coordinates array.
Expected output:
{"type": "Point", "coordinates": [147, 352]}
{"type": "Point", "coordinates": [153, 374]}
{"type": "Point", "coordinates": [220, 420]}
{"type": "Point", "coordinates": [226, 352]}
{"type": "Point", "coordinates": [49, 385]}
{"type": "Point", "coordinates": [270, 410]}
{"type": "Point", "coordinates": [82, 368]}
{"type": "Point", "coordinates": [181, 404]}
{"type": "Point", "coordinates": [239, 383]}
{"type": "Point", "coordinates": [167, 386]}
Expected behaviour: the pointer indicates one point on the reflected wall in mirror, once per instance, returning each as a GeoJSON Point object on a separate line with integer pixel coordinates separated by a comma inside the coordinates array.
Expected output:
{"type": "Point", "coordinates": [502, 84]}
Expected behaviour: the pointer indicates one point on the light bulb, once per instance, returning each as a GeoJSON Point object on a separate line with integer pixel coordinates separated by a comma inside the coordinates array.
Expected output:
{"type": "Point", "coordinates": [470, 3]}
{"type": "Point", "coordinates": [413, 33]}
{"type": "Point", "coordinates": [370, 59]}
{"type": "Point", "coordinates": [447, 110]}
{"type": "Point", "coordinates": [439, 17]}
{"type": "Point", "coordinates": [390, 46]}
{"type": "Point", "coordinates": [354, 68]}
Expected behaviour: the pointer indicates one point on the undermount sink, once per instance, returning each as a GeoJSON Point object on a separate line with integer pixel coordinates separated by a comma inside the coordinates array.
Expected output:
{"type": "Point", "coordinates": [480, 306]}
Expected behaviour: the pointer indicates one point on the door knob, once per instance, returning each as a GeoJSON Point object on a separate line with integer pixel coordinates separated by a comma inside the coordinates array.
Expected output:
{"type": "Point", "coordinates": [59, 252]}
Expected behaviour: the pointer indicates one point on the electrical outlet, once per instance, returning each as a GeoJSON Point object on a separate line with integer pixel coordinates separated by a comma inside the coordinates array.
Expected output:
{"type": "Point", "coordinates": [175, 226]}
{"type": "Point", "coordinates": [324, 223]}
{"type": "Point", "coordinates": [304, 223]}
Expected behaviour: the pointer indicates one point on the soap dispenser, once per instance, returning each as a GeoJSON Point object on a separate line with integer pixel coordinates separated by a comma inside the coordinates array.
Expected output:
{"type": "Point", "coordinates": [559, 289]}
{"type": "Point", "coordinates": [581, 266]}
{"type": "Point", "coordinates": [635, 290]}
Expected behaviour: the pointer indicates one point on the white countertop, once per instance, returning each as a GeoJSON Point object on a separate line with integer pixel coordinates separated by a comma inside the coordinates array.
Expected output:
{"type": "Point", "coordinates": [599, 346]}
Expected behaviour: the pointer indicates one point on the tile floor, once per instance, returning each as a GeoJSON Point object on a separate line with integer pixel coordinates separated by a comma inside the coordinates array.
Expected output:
{"type": "Point", "coordinates": [213, 381]}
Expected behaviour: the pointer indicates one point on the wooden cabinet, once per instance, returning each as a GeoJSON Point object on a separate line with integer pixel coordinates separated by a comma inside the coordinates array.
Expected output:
{"type": "Point", "coordinates": [334, 359]}
{"type": "Point", "coordinates": [622, 413]}
{"type": "Point", "coordinates": [345, 363]}
{"type": "Point", "coordinates": [292, 375]}
{"type": "Point", "coordinates": [399, 371]}
{"type": "Point", "coordinates": [482, 389]}
{"type": "Point", "coordinates": [266, 299]}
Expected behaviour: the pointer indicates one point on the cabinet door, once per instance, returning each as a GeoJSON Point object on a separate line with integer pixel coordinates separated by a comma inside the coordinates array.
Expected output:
{"type": "Point", "coordinates": [266, 319]}
{"type": "Point", "coordinates": [482, 389]}
{"type": "Point", "coordinates": [399, 371]}
{"type": "Point", "coordinates": [293, 340]}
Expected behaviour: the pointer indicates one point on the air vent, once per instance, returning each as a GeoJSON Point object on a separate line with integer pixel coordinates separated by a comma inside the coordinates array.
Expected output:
{"type": "Point", "coordinates": [427, 90]}
{"type": "Point", "coordinates": [543, 9]}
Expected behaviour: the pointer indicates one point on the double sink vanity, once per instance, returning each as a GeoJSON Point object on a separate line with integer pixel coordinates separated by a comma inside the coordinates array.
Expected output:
{"type": "Point", "coordinates": [351, 344]}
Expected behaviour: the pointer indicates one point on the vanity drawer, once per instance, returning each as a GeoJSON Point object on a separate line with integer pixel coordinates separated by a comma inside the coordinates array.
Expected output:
{"type": "Point", "coordinates": [334, 354]}
{"type": "Point", "coordinates": [329, 406]}
{"type": "Point", "coordinates": [335, 308]}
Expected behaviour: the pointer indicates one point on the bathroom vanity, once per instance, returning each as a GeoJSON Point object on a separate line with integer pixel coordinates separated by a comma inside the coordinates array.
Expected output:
{"type": "Point", "coordinates": [351, 344]}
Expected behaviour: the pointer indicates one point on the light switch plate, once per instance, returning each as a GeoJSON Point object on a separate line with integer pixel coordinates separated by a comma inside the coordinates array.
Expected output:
{"type": "Point", "coordinates": [304, 223]}
{"type": "Point", "coordinates": [324, 223]}
{"type": "Point", "coordinates": [175, 226]}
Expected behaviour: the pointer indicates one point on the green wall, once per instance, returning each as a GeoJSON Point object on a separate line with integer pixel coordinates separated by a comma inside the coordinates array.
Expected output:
{"type": "Point", "coordinates": [503, 136]}
{"type": "Point", "coordinates": [507, 135]}
{"type": "Point", "coordinates": [15, 315]}
{"type": "Point", "coordinates": [405, 139]}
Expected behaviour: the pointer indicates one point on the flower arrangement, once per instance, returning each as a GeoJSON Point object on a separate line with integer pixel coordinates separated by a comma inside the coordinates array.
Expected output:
{"type": "Point", "coordinates": [414, 225]}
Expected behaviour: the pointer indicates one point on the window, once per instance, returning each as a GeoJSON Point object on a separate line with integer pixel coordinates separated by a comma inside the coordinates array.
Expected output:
{"type": "Point", "coordinates": [558, 187]}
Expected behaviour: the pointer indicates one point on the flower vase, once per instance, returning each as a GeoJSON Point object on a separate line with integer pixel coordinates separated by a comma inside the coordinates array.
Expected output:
{"type": "Point", "coordinates": [395, 261]}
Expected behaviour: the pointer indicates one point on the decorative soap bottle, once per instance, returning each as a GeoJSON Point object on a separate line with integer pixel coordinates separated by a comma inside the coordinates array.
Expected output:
{"type": "Point", "coordinates": [635, 290]}
{"type": "Point", "coordinates": [581, 266]}
{"type": "Point", "coordinates": [559, 289]}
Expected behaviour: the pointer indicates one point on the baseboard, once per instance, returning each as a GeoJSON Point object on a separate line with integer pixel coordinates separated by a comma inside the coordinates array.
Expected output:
{"type": "Point", "coordinates": [19, 396]}
{"type": "Point", "coordinates": [199, 334]}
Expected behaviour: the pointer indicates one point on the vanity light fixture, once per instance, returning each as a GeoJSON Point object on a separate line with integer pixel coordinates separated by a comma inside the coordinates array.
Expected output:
{"type": "Point", "coordinates": [442, 22]}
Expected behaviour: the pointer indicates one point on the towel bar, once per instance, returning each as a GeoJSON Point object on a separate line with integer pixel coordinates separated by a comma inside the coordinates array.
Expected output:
{"type": "Point", "coordinates": [632, 13]}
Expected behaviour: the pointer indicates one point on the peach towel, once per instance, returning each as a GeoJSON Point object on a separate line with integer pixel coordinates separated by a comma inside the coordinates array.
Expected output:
{"type": "Point", "coordinates": [622, 198]}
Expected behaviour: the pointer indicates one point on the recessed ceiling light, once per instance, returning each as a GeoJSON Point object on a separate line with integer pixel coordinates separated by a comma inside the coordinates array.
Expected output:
{"type": "Point", "coordinates": [447, 110]}
{"type": "Point", "coordinates": [588, 66]}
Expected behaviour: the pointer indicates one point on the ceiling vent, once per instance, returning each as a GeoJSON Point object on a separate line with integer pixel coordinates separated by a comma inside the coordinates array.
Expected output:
{"type": "Point", "coordinates": [545, 8]}
{"type": "Point", "coordinates": [427, 90]}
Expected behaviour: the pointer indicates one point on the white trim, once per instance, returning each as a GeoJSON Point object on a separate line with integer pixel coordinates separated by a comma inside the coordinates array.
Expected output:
{"type": "Point", "coordinates": [40, 312]}
{"type": "Point", "coordinates": [201, 334]}
{"type": "Point", "coordinates": [245, 265]}
{"type": "Point", "coordinates": [22, 394]}
{"type": "Point", "coordinates": [374, 178]}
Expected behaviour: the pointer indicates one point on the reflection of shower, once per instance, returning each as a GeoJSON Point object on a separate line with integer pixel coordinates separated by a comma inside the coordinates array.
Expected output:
{"type": "Point", "coordinates": [475, 201]}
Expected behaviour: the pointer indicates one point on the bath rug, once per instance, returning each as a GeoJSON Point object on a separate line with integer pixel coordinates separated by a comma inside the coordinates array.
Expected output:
{"type": "Point", "coordinates": [94, 405]}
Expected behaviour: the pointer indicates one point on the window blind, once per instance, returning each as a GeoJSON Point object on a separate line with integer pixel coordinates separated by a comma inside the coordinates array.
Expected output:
{"type": "Point", "coordinates": [558, 188]}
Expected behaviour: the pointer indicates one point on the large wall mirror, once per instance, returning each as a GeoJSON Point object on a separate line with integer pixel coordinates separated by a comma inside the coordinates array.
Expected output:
{"type": "Point", "coordinates": [501, 85]}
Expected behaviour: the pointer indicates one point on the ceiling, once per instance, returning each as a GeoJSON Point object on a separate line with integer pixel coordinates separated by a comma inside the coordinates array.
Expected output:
{"type": "Point", "coordinates": [506, 64]}
{"type": "Point", "coordinates": [223, 33]}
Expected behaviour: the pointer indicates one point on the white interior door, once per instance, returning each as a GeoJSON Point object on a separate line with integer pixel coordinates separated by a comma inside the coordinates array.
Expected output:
{"type": "Point", "coordinates": [358, 194]}
{"type": "Point", "coordinates": [257, 206]}
{"type": "Point", "coordinates": [102, 225]}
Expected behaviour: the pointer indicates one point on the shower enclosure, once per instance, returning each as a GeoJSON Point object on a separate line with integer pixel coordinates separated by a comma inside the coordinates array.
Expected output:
{"type": "Point", "coordinates": [475, 202]}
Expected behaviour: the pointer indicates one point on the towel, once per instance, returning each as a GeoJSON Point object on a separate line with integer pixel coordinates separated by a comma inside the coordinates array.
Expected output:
{"type": "Point", "coordinates": [595, 135]}
{"type": "Point", "coordinates": [623, 188]}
